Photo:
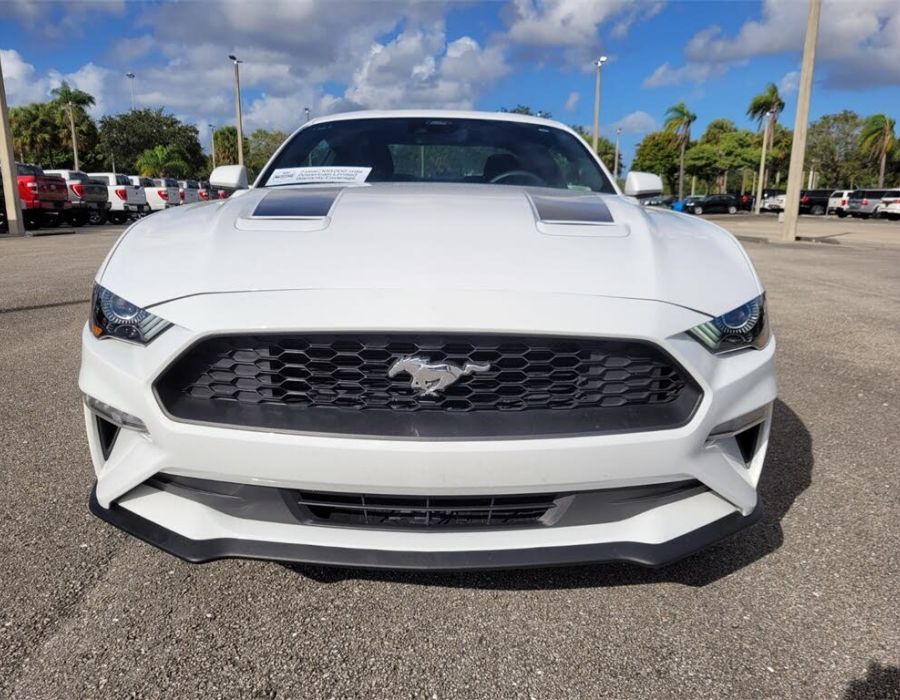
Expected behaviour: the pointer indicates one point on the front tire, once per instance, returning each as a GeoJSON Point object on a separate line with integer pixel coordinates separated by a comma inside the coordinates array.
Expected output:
{"type": "Point", "coordinates": [732, 210]}
{"type": "Point", "coordinates": [698, 210]}
{"type": "Point", "coordinates": [817, 210]}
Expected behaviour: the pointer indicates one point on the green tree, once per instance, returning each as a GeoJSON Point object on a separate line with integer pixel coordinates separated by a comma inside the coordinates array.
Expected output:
{"type": "Point", "coordinates": [716, 129]}
{"type": "Point", "coordinates": [66, 94]}
{"type": "Point", "coordinates": [124, 137]}
{"type": "Point", "coordinates": [678, 122]}
{"type": "Point", "coordinates": [225, 140]}
{"type": "Point", "coordinates": [769, 100]}
{"type": "Point", "coordinates": [832, 148]}
{"type": "Point", "coordinates": [262, 144]}
{"type": "Point", "coordinates": [702, 161]}
{"type": "Point", "coordinates": [525, 109]}
{"type": "Point", "coordinates": [606, 149]}
{"type": "Point", "coordinates": [876, 140]}
{"type": "Point", "coordinates": [161, 161]}
{"type": "Point", "coordinates": [658, 153]}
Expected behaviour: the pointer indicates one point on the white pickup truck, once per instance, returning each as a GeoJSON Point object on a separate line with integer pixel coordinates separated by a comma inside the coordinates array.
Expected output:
{"type": "Point", "coordinates": [125, 199]}
{"type": "Point", "coordinates": [161, 193]}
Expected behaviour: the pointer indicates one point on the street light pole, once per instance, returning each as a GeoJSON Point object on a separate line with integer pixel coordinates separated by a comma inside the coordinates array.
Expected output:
{"type": "Point", "coordinates": [762, 165]}
{"type": "Point", "coordinates": [212, 144]}
{"type": "Point", "coordinates": [130, 77]}
{"type": "Point", "coordinates": [306, 112]}
{"type": "Point", "coordinates": [74, 135]}
{"type": "Point", "coordinates": [599, 65]}
{"type": "Point", "coordinates": [237, 106]}
{"type": "Point", "coordinates": [8, 169]}
{"type": "Point", "coordinates": [801, 123]}
{"type": "Point", "coordinates": [616, 158]}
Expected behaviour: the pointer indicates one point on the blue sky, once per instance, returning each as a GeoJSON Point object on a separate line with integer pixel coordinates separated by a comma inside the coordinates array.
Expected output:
{"type": "Point", "coordinates": [346, 54]}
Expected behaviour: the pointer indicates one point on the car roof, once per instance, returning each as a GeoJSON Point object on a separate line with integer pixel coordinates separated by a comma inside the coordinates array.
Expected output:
{"type": "Point", "coordinates": [437, 114]}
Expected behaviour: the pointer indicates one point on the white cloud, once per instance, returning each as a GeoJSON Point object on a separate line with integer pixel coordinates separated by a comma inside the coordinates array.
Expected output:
{"type": "Point", "coordinates": [21, 80]}
{"type": "Point", "coordinates": [538, 26]}
{"type": "Point", "coordinates": [637, 122]}
{"type": "Point", "coordinates": [789, 83]}
{"type": "Point", "coordinates": [690, 72]}
{"type": "Point", "coordinates": [572, 100]}
{"type": "Point", "coordinates": [858, 46]}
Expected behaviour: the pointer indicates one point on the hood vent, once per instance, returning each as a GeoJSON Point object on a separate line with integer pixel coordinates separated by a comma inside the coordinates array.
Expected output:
{"type": "Point", "coordinates": [570, 208]}
{"type": "Point", "coordinates": [297, 203]}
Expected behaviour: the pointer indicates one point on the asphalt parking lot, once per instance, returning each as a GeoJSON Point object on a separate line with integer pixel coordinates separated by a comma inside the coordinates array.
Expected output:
{"type": "Point", "coordinates": [803, 605]}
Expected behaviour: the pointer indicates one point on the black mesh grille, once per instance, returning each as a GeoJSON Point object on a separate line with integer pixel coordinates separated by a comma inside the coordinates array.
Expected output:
{"type": "Point", "coordinates": [429, 512]}
{"type": "Point", "coordinates": [342, 383]}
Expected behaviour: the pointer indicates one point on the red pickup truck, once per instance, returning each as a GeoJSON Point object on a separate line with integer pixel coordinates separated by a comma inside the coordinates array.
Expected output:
{"type": "Point", "coordinates": [44, 198]}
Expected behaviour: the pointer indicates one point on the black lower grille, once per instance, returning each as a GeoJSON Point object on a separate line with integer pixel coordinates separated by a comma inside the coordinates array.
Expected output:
{"type": "Point", "coordinates": [426, 511]}
{"type": "Point", "coordinates": [470, 385]}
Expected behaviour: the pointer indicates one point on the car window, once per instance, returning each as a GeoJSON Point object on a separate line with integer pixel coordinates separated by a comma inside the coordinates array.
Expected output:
{"type": "Point", "coordinates": [122, 180]}
{"type": "Point", "coordinates": [417, 149]}
{"type": "Point", "coordinates": [31, 170]}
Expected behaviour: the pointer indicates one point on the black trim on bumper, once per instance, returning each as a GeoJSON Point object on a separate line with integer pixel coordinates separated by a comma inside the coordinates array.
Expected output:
{"type": "Point", "coordinates": [198, 551]}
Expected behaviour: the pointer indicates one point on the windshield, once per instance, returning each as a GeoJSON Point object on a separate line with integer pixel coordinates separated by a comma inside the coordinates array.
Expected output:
{"type": "Point", "coordinates": [415, 149]}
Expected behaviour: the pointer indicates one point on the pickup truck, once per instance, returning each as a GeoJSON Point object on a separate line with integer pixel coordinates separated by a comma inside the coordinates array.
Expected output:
{"type": "Point", "coordinates": [814, 201]}
{"type": "Point", "coordinates": [44, 198]}
{"type": "Point", "coordinates": [87, 197]}
{"type": "Point", "coordinates": [125, 198]}
{"type": "Point", "coordinates": [161, 193]}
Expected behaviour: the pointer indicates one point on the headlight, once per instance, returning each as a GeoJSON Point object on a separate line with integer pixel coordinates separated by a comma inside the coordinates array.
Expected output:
{"type": "Point", "coordinates": [743, 327]}
{"type": "Point", "coordinates": [112, 316]}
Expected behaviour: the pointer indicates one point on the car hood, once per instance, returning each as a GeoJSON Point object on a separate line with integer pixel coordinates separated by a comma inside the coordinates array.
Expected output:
{"type": "Point", "coordinates": [427, 237]}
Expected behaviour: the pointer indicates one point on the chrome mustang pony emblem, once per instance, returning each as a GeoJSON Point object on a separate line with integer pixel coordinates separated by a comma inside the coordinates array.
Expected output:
{"type": "Point", "coordinates": [431, 377]}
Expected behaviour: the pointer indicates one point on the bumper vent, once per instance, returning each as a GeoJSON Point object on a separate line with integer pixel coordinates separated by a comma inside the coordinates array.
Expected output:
{"type": "Point", "coordinates": [427, 512]}
{"type": "Point", "coordinates": [341, 384]}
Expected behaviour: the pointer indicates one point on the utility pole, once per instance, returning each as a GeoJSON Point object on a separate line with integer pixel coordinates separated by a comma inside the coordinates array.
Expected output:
{"type": "Point", "coordinates": [599, 65]}
{"type": "Point", "coordinates": [762, 165]}
{"type": "Point", "coordinates": [616, 158]}
{"type": "Point", "coordinates": [74, 136]}
{"type": "Point", "coordinates": [212, 144]}
{"type": "Point", "coordinates": [130, 77]}
{"type": "Point", "coordinates": [801, 123]}
{"type": "Point", "coordinates": [8, 173]}
{"type": "Point", "coordinates": [237, 106]}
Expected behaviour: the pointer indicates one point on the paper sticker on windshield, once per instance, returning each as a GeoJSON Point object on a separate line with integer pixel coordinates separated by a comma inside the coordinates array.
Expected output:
{"type": "Point", "coordinates": [324, 173]}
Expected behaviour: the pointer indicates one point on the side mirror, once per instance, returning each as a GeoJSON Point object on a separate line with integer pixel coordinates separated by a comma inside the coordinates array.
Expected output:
{"type": "Point", "coordinates": [643, 185]}
{"type": "Point", "coordinates": [229, 177]}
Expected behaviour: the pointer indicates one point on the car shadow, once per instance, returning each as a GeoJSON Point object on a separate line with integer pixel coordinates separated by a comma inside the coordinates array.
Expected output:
{"type": "Point", "coordinates": [787, 473]}
{"type": "Point", "coordinates": [880, 683]}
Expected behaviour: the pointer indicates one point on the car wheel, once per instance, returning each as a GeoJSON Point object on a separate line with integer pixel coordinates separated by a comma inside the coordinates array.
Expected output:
{"type": "Point", "coordinates": [97, 218]}
{"type": "Point", "coordinates": [817, 210]}
{"type": "Point", "coordinates": [46, 219]}
{"type": "Point", "coordinates": [841, 213]}
{"type": "Point", "coordinates": [698, 210]}
{"type": "Point", "coordinates": [118, 219]}
{"type": "Point", "coordinates": [77, 218]}
{"type": "Point", "coordinates": [732, 210]}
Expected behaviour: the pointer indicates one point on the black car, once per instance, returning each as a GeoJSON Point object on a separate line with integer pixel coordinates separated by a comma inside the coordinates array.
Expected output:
{"type": "Point", "coordinates": [814, 201]}
{"type": "Point", "coordinates": [714, 204]}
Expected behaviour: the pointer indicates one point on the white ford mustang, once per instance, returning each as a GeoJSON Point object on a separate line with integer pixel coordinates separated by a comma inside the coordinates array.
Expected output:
{"type": "Point", "coordinates": [428, 340]}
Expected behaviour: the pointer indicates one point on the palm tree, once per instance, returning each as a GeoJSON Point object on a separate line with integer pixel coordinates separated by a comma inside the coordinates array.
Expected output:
{"type": "Point", "coordinates": [65, 94]}
{"type": "Point", "coordinates": [769, 100]}
{"type": "Point", "coordinates": [160, 161]}
{"type": "Point", "coordinates": [876, 139]}
{"type": "Point", "coordinates": [678, 121]}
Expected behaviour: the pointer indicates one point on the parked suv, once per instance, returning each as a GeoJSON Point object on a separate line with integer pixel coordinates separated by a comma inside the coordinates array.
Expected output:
{"type": "Point", "coordinates": [837, 202]}
{"type": "Point", "coordinates": [890, 205]}
{"type": "Point", "coordinates": [44, 197]}
{"type": "Point", "coordinates": [814, 201]}
{"type": "Point", "coordinates": [189, 191]}
{"type": "Point", "coordinates": [86, 196]}
{"type": "Point", "coordinates": [713, 204]}
{"type": "Point", "coordinates": [125, 197]}
{"type": "Point", "coordinates": [864, 203]}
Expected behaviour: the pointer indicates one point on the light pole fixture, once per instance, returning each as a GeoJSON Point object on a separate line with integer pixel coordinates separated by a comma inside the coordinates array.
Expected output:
{"type": "Point", "coordinates": [212, 144]}
{"type": "Point", "coordinates": [598, 64]}
{"type": "Point", "coordinates": [306, 112]}
{"type": "Point", "coordinates": [130, 77]}
{"type": "Point", "coordinates": [237, 107]}
{"type": "Point", "coordinates": [616, 158]}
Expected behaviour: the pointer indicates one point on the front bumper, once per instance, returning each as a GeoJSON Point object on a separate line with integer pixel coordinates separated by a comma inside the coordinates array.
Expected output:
{"type": "Point", "coordinates": [121, 375]}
